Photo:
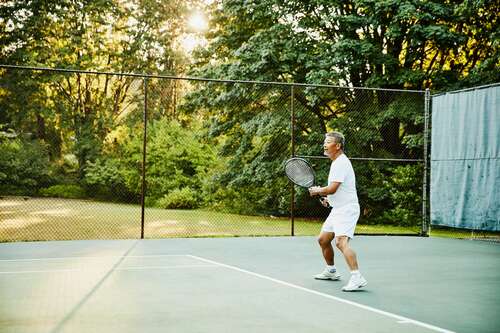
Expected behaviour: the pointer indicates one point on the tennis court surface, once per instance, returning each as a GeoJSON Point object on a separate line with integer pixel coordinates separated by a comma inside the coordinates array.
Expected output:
{"type": "Point", "coordinates": [247, 285]}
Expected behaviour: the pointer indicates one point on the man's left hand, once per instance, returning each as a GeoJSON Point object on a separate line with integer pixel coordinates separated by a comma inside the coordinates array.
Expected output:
{"type": "Point", "coordinates": [314, 190]}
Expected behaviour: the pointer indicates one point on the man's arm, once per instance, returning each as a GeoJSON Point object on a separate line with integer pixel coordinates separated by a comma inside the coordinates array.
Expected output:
{"type": "Point", "coordinates": [323, 191]}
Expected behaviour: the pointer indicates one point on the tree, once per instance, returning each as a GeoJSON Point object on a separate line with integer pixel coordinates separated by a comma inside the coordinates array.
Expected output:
{"type": "Point", "coordinates": [82, 109]}
{"type": "Point", "coordinates": [360, 43]}
{"type": "Point", "coordinates": [389, 44]}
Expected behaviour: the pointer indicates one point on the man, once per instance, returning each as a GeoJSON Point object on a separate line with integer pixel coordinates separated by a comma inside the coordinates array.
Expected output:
{"type": "Point", "coordinates": [341, 222]}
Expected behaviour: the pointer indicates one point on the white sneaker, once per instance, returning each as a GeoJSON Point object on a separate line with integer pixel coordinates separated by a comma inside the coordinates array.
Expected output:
{"type": "Point", "coordinates": [327, 275]}
{"type": "Point", "coordinates": [355, 282]}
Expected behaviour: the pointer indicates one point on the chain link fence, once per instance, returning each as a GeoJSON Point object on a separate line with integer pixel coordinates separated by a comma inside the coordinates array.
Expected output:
{"type": "Point", "coordinates": [385, 134]}
{"type": "Point", "coordinates": [89, 155]}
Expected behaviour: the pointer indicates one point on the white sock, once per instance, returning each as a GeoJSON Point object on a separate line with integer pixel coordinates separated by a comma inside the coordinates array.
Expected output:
{"type": "Point", "coordinates": [356, 273]}
{"type": "Point", "coordinates": [331, 268]}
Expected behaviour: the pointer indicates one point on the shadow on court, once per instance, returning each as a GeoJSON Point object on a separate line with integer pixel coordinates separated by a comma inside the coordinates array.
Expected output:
{"type": "Point", "coordinates": [247, 285]}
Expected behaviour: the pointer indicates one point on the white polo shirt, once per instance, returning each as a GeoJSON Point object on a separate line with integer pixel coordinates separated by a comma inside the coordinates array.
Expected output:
{"type": "Point", "coordinates": [341, 171]}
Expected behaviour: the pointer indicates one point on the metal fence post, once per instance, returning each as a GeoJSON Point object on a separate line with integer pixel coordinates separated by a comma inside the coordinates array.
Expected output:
{"type": "Point", "coordinates": [425, 191]}
{"type": "Point", "coordinates": [144, 139]}
{"type": "Point", "coordinates": [292, 131]}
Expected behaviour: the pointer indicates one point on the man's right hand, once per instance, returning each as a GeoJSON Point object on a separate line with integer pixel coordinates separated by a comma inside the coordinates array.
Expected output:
{"type": "Point", "coordinates": [324, 202]}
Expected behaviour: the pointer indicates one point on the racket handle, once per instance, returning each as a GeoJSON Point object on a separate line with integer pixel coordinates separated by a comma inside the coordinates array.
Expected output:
{"type": "Point", "coordinates": [324, 202]}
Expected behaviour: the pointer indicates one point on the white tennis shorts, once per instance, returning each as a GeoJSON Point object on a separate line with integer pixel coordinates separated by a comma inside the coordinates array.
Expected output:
{"type": "Point", "coordinates": [342, 221]}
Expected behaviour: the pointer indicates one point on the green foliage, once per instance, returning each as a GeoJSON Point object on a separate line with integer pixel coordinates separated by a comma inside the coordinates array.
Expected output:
{"type": "Point", "coordinates": [68, 165]}
{"type": "Point", "coordinates": [232, 162]}
{"type": "Point", "coordinates": [405, 189]}
{"type": "Point", "coordinates": [24, 166]}
{"type": "Point", "coordinates": [389, 44]}
{"type": "Point", "coordinates": [106, 179]}
{"type": "Point", "coordinates": [402, 43]}
{"type": "Point", "coordinates": [64, 191]}
{"type": "Point", "coordinates": [176, 158]}
{"type": "Point", "coordinates": [73, 113]}
{"type": "Point", "coordinates": [390, 195]}
{"type": "Point", "coordinates": [184, 198]}
{"type": "Point", "coordinates": [245, 200]}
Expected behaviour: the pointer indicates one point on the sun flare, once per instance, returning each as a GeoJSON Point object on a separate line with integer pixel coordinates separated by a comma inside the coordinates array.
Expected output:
{"type": "Point", "coordinates": [198, 22]}
{"type": "Point", "coordinates": [189, 43]}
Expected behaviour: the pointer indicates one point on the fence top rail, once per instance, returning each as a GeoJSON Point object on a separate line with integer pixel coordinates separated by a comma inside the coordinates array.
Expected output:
{"type": "Point", "coordinates": [467, 89]}
{"type": "Point", "coordinates": [188, 78]}
{"type": "Point", "coordinates": [368, 158]}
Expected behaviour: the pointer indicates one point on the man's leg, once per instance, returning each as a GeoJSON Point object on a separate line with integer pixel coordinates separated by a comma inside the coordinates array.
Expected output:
{"type": "Point", "coordinates": [342, 243]}
{"type": "Point", "coordinates": [325, 242]}
{"type": "Point", "coordinates": [357, 280]}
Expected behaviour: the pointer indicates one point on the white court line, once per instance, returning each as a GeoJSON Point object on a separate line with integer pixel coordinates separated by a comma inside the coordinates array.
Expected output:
{"type": "Point", "coordinates": [401, 319]}
{"type": "Point", "coordinates": [105, 268]}
{"type": "Point", "coordinates": [100, 257]}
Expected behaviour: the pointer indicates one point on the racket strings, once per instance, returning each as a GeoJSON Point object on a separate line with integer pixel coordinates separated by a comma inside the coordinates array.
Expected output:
{"type": "Point", "coordinates": [300, 173]}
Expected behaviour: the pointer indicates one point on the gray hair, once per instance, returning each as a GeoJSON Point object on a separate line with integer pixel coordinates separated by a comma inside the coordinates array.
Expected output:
{"type": "Point", "coordinates": [339, 138]}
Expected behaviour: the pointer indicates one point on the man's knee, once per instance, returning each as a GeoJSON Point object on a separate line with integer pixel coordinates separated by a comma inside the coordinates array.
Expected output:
{"type": "Point", "coordinates": [341, 242]}
{"type": "Point", "coordinates": [324, 240]}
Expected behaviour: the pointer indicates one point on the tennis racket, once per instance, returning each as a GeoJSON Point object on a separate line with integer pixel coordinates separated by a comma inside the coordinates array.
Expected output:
{"type": "Point", "coordinates": [301, 173]}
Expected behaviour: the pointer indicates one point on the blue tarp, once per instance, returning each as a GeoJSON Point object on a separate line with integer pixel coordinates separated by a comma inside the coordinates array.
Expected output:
{"type": "Point", "coordinates": [465, 159]}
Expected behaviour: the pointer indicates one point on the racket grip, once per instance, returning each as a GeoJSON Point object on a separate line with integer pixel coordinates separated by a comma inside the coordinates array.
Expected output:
{"type": "Point", "coordinates": [324, 202]}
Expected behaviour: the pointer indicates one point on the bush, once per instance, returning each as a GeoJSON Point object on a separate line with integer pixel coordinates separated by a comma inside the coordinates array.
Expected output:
{"type": "Point", "coordinates": [64, 191]}
{"type": "Point", "coordinates": [405, 191]}
{"type": "Point", "coordinates": [177, 158]}
{"type": "Point", "coordinates": [184, 198]}
{"type": "Point", "coordinates": [105, 180]}
{"type": "Point", "coordinates": [24, 165]}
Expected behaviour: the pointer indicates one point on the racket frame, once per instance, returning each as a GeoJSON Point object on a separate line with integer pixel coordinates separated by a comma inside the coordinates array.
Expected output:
{"type": "Point", "coordinates": [313, 174]}
{"type": "Point", "coordinates": [308, 165]}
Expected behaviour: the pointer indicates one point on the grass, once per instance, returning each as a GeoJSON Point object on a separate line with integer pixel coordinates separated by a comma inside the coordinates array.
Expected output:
{"type": "Point", "coordinates": [34, 219]}
{"type": "Point", "coordinates": [464, 234]}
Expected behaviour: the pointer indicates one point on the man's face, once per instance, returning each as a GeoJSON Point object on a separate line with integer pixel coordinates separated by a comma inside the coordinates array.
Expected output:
{"type": "Point", "coordinates": [330, 147]}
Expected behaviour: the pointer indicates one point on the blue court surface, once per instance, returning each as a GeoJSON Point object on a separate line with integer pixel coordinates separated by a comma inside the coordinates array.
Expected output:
{"type": "Point", "coordinates": [247, 285]}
